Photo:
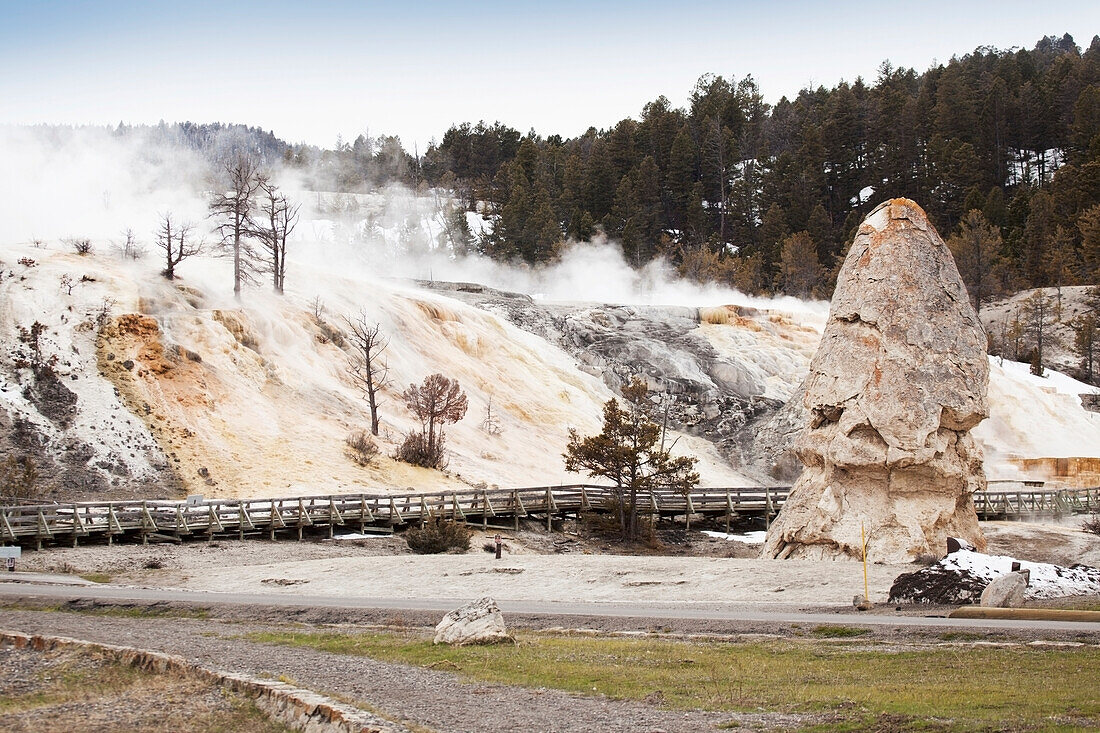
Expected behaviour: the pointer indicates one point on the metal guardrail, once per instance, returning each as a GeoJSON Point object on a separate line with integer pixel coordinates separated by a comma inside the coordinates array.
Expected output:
{"type": "Point", "coordinates": [176, 520]}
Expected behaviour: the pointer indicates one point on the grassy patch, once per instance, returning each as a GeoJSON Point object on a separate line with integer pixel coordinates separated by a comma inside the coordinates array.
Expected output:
{"type": "Point", "coordinates": [839, 632]}
{"type": "Point", "coordinates": [926, 689]}
{"type": "Point", "coordinates": [97, 577]}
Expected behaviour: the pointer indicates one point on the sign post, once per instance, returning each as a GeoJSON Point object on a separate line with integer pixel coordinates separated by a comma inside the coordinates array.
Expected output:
{"type": "Point", "coordinates": [10, 554]}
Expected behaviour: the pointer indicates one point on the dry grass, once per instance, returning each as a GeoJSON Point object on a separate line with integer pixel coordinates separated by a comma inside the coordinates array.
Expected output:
{"type": "Point", "coordinates": [77, 691]}
{"type": "Point", "coordinates": [851, 683]}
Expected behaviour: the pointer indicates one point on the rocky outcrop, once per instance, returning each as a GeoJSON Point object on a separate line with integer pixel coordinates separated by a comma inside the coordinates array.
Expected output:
{"type": "Point", "coordinates": [898, 382]}
{"type": "Point", "coordinates": [719, 394]}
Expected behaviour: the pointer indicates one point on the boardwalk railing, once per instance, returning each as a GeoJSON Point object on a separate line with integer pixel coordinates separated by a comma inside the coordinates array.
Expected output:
{"type": "Point", "coordinates": [176, 520]}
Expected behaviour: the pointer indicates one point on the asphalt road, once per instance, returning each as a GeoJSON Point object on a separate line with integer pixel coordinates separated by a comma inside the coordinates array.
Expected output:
{"type": "Point", "coordinates": [32, 586]}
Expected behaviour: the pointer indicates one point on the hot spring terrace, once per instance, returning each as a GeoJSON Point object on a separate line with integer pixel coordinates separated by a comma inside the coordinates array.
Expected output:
{"type": "Point", "coordinates": [34, 525]}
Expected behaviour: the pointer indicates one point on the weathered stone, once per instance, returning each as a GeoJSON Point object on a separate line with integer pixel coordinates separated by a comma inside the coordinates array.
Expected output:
{"type": "Point", "coordinates": [895, 387]}
{"type": "Point", "coordinates": [479, 622]}
{"type": "Point", "coordinates": [1007, 591]}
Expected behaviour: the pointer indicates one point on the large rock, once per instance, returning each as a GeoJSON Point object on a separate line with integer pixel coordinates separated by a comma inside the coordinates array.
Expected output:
{"type": "Point", "coordinates": [895, 387]}
{"type": "Point", "coordinates": [1007, 591]}
{"type": "Point", "coordinates": [479, 622]}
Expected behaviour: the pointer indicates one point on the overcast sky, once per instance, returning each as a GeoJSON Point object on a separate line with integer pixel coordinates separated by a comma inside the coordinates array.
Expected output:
{"type": "Point", "coordinates": [311, 71]}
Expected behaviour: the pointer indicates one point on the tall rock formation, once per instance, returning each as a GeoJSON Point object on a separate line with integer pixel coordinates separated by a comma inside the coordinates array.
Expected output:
{"type": "Point", "coordinates": [898, 382]}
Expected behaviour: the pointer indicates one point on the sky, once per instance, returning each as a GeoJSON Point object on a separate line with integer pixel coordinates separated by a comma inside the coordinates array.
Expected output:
{"type": "Point", "coordinates": [313, 71]}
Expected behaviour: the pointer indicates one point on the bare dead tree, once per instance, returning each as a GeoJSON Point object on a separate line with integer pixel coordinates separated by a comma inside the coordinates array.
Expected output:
{"type": "Point", "coordinates": [274, 222]}
{"type": "Point", "coordinates": [131, 248]}
{"type": "Point", "coordinates": [177, 242]}
{"type": "Point", "coordinates": [366, 368]}
{"type": "Point", "coordinates": [232, 210]}
{"type": "Point", "coordinates": [490, 424]}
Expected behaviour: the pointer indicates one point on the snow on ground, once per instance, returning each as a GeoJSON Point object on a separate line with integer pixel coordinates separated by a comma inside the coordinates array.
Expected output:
{"type": "Point", "coordinates": [1034, 417]}
{"type": "Point", "coordinates": [1046, 581]}
{"type": "Point", "coordinates": [749, 538]}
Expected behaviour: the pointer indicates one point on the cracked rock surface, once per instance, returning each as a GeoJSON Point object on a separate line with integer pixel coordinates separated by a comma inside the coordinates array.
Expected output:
{"type": "Point", "coordinates": [895, 388]}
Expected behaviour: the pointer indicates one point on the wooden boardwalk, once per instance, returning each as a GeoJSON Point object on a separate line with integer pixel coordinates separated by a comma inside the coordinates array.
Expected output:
{"type": "Point", "coordinates": [38, 524]}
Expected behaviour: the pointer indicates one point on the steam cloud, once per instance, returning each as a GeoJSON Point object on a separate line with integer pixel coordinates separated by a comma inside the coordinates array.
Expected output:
{"type": "Point", "coordinates": [90, 182]}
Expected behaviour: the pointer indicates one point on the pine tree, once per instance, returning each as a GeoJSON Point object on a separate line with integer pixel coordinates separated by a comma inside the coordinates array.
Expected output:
{"type": "Point", "coordinates": [630, 452]}
{"type": "Point", "coordinates": [801, 272]}
{"type": "Point", "coordinates": [976, 246]}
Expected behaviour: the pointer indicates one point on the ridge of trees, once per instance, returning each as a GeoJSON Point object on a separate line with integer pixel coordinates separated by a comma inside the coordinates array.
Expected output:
{"type": "Point", "coordinates": [766, 197]}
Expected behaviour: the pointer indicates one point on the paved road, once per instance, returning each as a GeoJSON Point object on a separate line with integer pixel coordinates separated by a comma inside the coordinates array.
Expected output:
{"type": "Point", "coordinates": [648, 611]}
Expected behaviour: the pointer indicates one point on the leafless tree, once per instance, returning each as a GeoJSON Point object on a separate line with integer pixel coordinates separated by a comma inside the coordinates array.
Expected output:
{"type": "Point", "coordinates": [232, 210]}
{"type": "Point", "coordinates": [365, 366]}
{"type": "Point", "coordinates": [67, 283]}
{"type": "Point", "coordinates": [131, 248]}
{"type": "Point", "coordinates": [176, 240]}
{"type": "Point", "coordinates": [274, 222]}
{"type": "Point", "coordinates": [490, 424]}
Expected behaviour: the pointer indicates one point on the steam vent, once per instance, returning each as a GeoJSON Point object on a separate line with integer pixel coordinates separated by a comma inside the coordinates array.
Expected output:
{"type": "Point", "coordinates": [894, 389]}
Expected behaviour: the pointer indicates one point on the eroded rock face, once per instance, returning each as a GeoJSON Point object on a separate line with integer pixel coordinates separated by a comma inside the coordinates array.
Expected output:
{"type": "Point", "coordinates": [896, 386]}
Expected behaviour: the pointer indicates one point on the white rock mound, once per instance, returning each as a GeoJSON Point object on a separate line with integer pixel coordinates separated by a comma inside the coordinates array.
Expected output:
{"type": "Point", "coordinates": [896, 385]}
{"type": "Point", "coordinates": [479, 622]}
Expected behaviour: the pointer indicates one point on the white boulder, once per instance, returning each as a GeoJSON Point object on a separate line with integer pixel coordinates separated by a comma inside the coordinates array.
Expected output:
{"type": "Point", "coordinates": [479, 622]}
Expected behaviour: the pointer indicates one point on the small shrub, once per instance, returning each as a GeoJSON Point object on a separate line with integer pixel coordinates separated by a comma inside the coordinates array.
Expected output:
{"type": "Point", "coordinates": [81, 245]}
{"type": "Point", "coordinates": [18, 479]}
{"type": "Point", "coordinates": [415, 450]}
{"type": "Point", "coordinates": [153, 564]}
{"type": "Point", "coordinates": [435, 536]}
{"type": "Point", "coordinates": [27, 262]}
{"type": "Point", "coordinates": [1092, 524]}
{"type": "Point", "coordinates": [362, 447]}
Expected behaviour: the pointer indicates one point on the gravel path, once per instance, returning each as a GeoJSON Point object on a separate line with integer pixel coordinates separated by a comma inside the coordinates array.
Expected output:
{"type": "Point", "coordinates": [78, 692]}
{"type": "Point", "coordinates": [437, 700]}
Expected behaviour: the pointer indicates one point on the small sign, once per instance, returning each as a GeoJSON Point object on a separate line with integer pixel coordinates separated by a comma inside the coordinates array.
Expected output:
{"type": "Point", "coordinates": [11, 552]}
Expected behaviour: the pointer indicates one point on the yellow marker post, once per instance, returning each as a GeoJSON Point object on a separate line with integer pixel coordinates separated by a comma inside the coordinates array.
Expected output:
{"type": "Point", "coordinates": [863, 541]}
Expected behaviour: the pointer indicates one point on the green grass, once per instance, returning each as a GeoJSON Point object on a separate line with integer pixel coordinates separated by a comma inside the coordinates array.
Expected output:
{"type": "Point", "coordinates": [143, 612]}
{"type": "Point", "coordinates": [839, 632]}
{"type": "Point", "coordinates": [97, 577]}
{"type": "Point", "coordinates": [927, 689]}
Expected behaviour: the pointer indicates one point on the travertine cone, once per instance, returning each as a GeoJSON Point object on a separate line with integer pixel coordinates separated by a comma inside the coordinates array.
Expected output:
{"type": "Point", "coordinates": [896, 385]}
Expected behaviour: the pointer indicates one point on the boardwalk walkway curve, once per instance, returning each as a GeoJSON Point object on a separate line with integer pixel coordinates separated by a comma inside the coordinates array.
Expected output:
{"type": "Point", "coordinates": [42, 523]}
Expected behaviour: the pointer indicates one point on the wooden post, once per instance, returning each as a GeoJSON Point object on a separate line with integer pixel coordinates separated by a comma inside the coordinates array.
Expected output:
{"type": "Point", "coordinates": [729, 510]}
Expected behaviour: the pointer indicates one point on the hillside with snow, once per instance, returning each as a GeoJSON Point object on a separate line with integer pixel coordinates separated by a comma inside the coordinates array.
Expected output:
{"type": "Point", "coordinates": [159, 388]}
{"type": "Point", "coordinates": [165, 388]}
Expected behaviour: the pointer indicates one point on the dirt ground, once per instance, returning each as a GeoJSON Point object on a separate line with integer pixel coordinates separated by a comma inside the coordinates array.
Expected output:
{"type": "Point", "coordinates": [572, 564]}
{"type": "Point", "coordinates": [568, 565]}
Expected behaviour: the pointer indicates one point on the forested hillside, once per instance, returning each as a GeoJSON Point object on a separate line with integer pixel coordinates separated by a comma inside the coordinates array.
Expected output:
{"type": "Point", "coordinates": [1002, 148]}
{"type": "Point", "coordinates": [766, 198]}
